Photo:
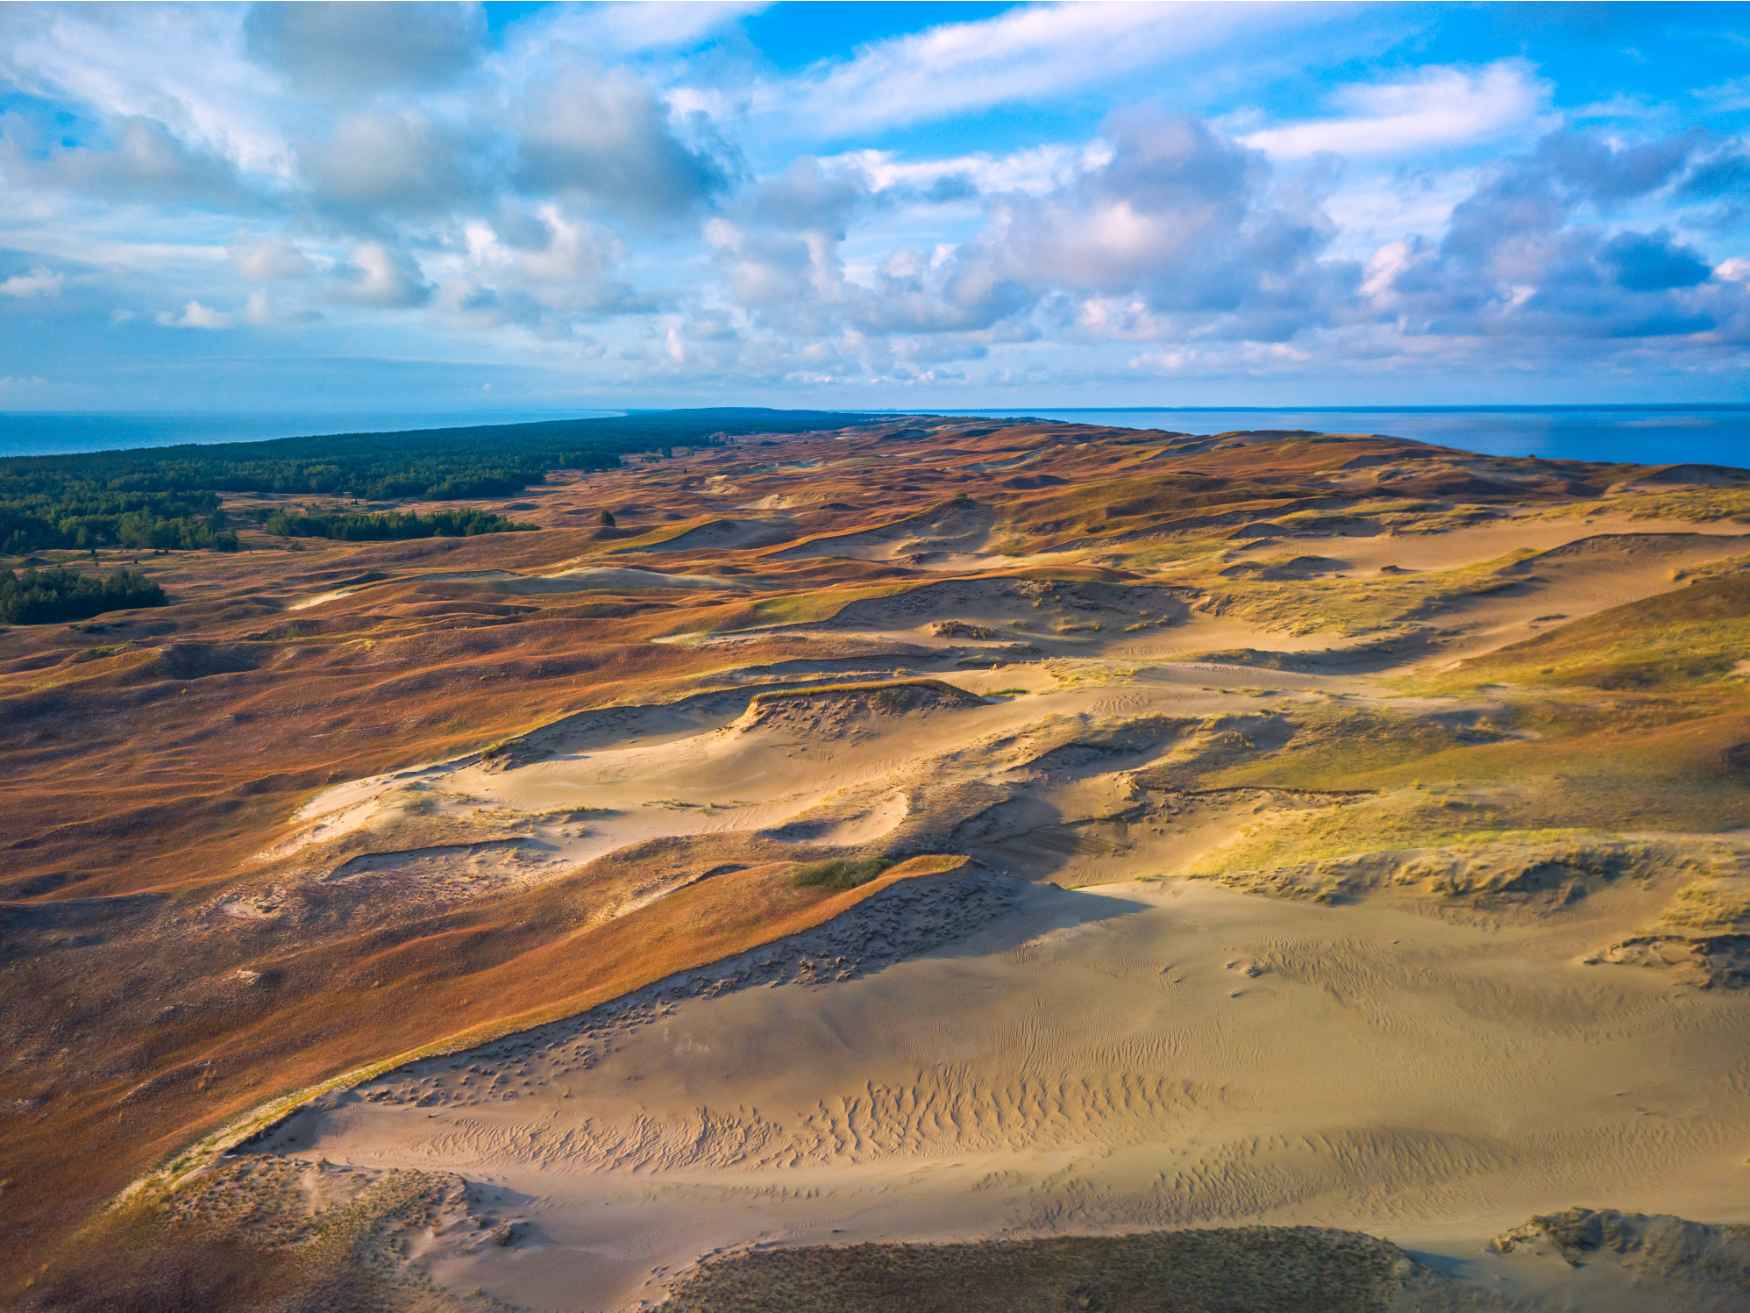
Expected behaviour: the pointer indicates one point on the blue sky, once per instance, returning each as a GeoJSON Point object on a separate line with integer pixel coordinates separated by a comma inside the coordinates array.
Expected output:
{"type": "Point", "coordinates": [445, 206]}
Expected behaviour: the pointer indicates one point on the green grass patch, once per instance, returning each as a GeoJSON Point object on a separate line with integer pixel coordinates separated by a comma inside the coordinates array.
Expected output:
{"type": "Point", "coordinates": [1688, 636]}
{"type": "Point", "coordinates": [1360, 606]}
{"type": "Point", "coordinates": [841, 873]}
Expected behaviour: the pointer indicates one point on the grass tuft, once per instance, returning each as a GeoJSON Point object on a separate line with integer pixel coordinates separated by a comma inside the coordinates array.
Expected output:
{"type": "Point", "coordinates": [841, 873]}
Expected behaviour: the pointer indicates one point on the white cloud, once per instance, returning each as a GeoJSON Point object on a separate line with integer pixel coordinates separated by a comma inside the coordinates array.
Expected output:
{"type": "Point", "coordinates": [1732, 94]}
{"type": "Point", "coordinates": [1034, 170]}
{"type": "Point", "coordinates": [1025, 54]}
{"type": "Point", "coordinates": [195, 315]}
{"type": "Point", "coordinates": [627, 29]}
{"type": "Point", "coordinates": [143, 162]}
{"type": "Point", "coordinates": [1118, 318]}
{"type": "Point", "coordinates": [1433, 108]}
{"type": "Point", "coordinates": [378, 166]}
{"type": "Point", "coordinates": [1384, 267]}
{"type": "Point", "coordinates": [364, 47]}
{"type": "Point", "coordinates": [38, 282]}
{"type": "Point", "coordinates": [604, 135]}
{"type": "Point", "coordinates": [636, 169]}
{"type": "Point", "coordinates": [1244, 359]}
{"type": "Point", "coordinates": [384, 277]}
{"type": "Point", "coordinates": [270, 260]}
{"type": "Point", "coordinates": [181, 65]}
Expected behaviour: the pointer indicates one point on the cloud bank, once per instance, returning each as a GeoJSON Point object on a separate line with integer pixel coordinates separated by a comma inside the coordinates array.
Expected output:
{"type": "Point", "coordinates": [658, 201]}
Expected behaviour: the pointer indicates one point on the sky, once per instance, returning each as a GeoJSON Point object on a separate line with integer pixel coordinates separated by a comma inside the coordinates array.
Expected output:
{"type": "Point", "coordinates": [446, 206]}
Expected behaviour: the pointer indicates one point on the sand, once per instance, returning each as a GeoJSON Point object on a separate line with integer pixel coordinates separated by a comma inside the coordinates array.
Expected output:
{"type": "Point", "coordinates": [1131, 1050]}
{"type": "Point", "coordinates": [1127, 1056]}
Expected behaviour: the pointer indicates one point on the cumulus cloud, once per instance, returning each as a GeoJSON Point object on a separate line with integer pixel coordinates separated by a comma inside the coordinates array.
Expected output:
{"type": "Point", "coordinates": [1608, 170]}
{"type": "Point", "coordinates": [543, 269]}
{"type": "Point", "coordinates": [382, 276]}
{"type": "Point", "coordinates": [1653, 262]}
{"type": "Point", "coordinates": [270, 260]}
{"type": "Point", "coordinates": [1169, 216]}
{"type": "Point", "coordinates": [389, 165]}
{"type": "Point", "coordinates": [1526, 257]}
{"type": "Point", "coordinates": [365, 48]}
{"type": "Point", "coordinates": [269, 311]}
{"type": "Point", "coordinates": [1245, 359]}
{"type": "Point", "coordinates": [142, 161]}
{"type": "Point", "coordinates": [1182, 217]}
{"type": "Point", "coordinates": [602, 135]}
{"type": "Point", "coordinates": [195, 315]}
{"type": "Point", "coordinates": [809, 194]}
{"type": "Point", "coordinates": [1721, 174]}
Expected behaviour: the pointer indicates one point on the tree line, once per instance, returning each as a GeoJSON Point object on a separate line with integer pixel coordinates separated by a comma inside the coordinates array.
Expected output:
{"type": "Point", "coordinates": [169, 498]}
{"type": "Point", "coordinates": [362, 526]}
{"type": "Point", "coordinates": [36, 597]}
{"type": "Point", "coordinates": [81, 515]}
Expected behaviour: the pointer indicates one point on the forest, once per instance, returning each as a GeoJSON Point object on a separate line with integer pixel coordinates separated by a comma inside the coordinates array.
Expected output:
{"type": "Point", "coordinates": [361, 526]}
{"type": "Point", "coordinates": [427, 464]}
{"type": "Point", "coordinates": [36, 597]}
{"type": "Point", "coordinates": [81, 513]}
{"type": "Point", "coordinates": [171, 498]}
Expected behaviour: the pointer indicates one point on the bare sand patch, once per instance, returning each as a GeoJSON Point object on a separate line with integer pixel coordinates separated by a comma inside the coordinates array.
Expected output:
{"type": "Point", "coordinates": [1130, 1056]}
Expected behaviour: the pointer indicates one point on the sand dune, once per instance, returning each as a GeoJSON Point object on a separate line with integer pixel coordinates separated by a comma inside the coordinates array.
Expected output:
{"type": "Point", "coordinates": [1311, 830]}
{"type": "Point", "coordinates": [1128, 1056]}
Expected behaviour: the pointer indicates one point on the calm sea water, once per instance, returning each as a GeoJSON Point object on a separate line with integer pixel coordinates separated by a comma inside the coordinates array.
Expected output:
{"type": "Point", "coordinates": [1655, 434]}
{"type": "Point", "coordinates": [43, 433]}
{"type": "Point", "coordinates": [1715, 435]}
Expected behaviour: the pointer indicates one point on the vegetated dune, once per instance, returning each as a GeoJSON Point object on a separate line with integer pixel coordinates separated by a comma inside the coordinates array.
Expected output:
{"type": "Point", "coordinates": [959, 527]}
{"type": "Point", "coordinates": [1036, 830]}
{"type": "Point", "coordinates": [726, 535]}
{"type": "Point", "coordinates": [1632, 1261]}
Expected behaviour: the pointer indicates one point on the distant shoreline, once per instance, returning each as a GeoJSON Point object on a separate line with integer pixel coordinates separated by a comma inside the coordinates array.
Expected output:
{"type": "Point", "coordinates": [1654, 433]}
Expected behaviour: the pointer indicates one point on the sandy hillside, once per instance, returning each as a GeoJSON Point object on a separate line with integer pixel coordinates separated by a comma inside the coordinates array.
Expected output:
{"type": "Point", "coordinates": [1126, 1056]}
{"type": "Point", "coordinates": [922, 835]}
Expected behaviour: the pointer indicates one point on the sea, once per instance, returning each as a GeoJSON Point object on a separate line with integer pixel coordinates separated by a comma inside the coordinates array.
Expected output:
{"type": "Point", "coordinates": [1654, 434]}
{"type": "Point", "coordinates": [43, 433]}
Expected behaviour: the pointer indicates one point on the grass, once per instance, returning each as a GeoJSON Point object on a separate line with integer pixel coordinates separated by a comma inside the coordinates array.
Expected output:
{"type": "Point", "coordinates": [812, 606]}
{"type": "Point", "coordinates": [1335, 748]}
{"type": "Point", "coordinates": [868, 686]}
{"type": "Point", "coordinates": [1709, 905]}
{"type": "Point", "coordinates": [1360, 606]}
{"type": "Point", "coordinates": [246, 1239]}
{"type": "Point", "coordinates": [1289, 1270]}
{"type": "Point", "coordinates": [841, 873]}
{"type": "Point", "coordinates": [1697, 504]}
{"type": "Point", "coordinates": [1688, 636]}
